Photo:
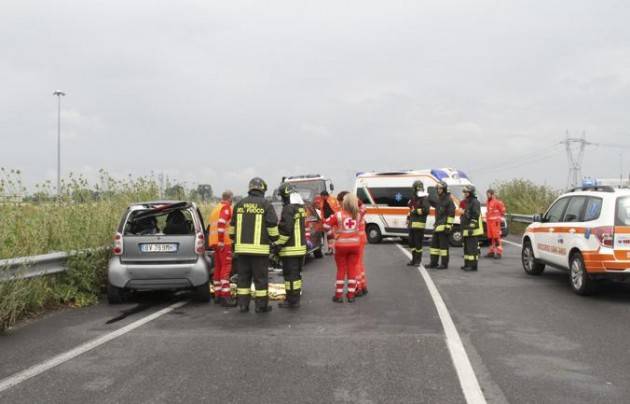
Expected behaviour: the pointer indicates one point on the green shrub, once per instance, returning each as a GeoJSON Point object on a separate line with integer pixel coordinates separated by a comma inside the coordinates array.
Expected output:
{"type": "Point", "coordinates": [524, 197]}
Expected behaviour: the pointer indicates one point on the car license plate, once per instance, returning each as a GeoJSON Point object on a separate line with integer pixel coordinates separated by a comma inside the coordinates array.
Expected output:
{"type": "Point", "coordinates": [159, 248]}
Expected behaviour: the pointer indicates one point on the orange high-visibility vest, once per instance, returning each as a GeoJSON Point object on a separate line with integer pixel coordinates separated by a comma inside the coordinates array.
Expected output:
{"type": "Point", "coordinates": [220, 220]}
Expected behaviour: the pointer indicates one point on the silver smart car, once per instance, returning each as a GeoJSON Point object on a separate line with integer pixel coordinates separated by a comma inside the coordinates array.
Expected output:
{"type": "Point", "coordinates": [159, 245]}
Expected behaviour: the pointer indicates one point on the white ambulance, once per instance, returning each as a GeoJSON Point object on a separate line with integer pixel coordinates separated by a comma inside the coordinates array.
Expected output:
{"type": "Point", "coordinates": [386, 194]}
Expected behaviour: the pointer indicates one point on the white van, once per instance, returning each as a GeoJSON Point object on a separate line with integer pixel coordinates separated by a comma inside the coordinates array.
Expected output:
{"type": "Point", "coordinates": [386, 194]}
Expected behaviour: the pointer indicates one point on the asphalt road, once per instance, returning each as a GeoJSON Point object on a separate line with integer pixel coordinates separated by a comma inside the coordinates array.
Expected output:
{"type": "Point", "coordinates": [529, 339]}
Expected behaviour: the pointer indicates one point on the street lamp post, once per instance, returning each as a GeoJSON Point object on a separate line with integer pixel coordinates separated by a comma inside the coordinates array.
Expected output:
{"type": "Point", "coordinates": [59, 94]}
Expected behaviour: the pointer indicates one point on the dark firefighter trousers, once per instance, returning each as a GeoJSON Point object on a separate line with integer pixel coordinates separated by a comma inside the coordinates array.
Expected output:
{"type": "Point", "coordinates": [416, 238]}
{"type": "Point", "coordinates": [256, 267]}
{"type": "Point", "coordinates": [471, 250]}
{"type": "Point", "coordinates": [439, 248]}
{"type": "Point", "coordinates": [292, 272]}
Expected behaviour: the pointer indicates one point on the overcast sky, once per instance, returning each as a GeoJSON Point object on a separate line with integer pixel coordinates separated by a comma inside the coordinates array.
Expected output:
{"type": "Point", "coordinates": [219, 91]}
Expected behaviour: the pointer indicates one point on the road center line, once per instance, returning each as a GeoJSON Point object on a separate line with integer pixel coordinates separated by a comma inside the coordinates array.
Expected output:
{"type": "Point", "coordinates": [512, 243]}
{"type": "Point", "coordinates": [467, 378]}
{"type": "Point", "coordinates": [42, 367]}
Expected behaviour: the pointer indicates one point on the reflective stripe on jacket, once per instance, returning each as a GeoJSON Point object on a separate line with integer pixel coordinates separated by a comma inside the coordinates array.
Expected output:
{"type": "Point", "coordinates": [254, 225]}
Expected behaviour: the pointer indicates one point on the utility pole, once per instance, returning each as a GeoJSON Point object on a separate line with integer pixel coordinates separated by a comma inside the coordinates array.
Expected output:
{"type": "Point", "coordinates": [575, 155]}
{"type": "Point", "coordinates": [59, 94]}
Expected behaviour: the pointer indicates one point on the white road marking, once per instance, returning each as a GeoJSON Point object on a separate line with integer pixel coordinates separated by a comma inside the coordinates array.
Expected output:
{"type": "Point", "coordinates": [467, 378]}
{"type": "Point", "coordinates": [513, 243]}
{"type": "Point", "coordinates": [42, 367]}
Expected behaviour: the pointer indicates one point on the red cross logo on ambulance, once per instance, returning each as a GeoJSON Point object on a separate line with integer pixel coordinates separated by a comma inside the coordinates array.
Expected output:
{"type": "Point", "coordinates": [349, 223]}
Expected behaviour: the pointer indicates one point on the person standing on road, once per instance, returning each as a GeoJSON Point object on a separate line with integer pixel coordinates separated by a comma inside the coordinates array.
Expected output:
{"type": "Point", "coordinates": [221, 243]}
{"type": "Point", "coordinates": [329, 207]}
{"type": "Point", "coordinates": [291, 244]}
{"type": "Point", "coordinates": [255, 228]}
{"type": "Point", "coordinates": [444, 219]}
{"type": "Point", "coordinates": [494, 217]}
{"type": "Point", "coordinates": [419, 208]}
{"type": "Point", "coordinates": [360, 270]}
{"type": "Point", "coordinates": [347, 224]}
{"type": "Point", "coordinates": [472, 228]}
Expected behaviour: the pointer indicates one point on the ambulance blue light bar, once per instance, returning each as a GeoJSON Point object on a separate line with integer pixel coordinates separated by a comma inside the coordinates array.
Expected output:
{"type": "Point", "coordinates": [439, 174]}
{"type": "Point", "coordinates": [462, 174]}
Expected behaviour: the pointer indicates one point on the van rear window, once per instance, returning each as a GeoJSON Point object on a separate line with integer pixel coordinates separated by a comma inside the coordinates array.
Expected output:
{"type": "Point", "coordinates": [622, 211]}
{"type": "Point", "coordinates": [391, 196]}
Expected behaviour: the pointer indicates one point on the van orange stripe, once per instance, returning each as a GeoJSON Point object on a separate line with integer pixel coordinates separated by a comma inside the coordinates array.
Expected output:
{"type": "Point", "coordinates": [388, 211]}
{"type": "Point", "coordinates": [622, 229]}
{"type": "Point", "coordinates": [558, 230]}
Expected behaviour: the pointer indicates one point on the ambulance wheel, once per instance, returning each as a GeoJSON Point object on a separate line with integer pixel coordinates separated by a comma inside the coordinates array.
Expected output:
{"type": "Point", "coordinates": [374, 235]}
{"type": "Point", "coordinates": [530, 263]}
{"type": "Point", "coordinates": [580, 280]}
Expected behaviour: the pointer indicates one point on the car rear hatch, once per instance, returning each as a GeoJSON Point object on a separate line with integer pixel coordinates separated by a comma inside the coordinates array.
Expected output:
{"type": "Point", "coordinates": [160, 235]}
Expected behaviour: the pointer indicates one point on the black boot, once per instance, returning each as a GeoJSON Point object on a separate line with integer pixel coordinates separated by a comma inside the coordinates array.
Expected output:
{"type": "Point", "coordinates": [434, 261]}
{"type": "Point", "coordinates": [412, 262]}
{"type": "Point", "coordinates": [337, 299]}
{"type": "Point", "coordinates": [444, 263]}
{"type": "Point", "coordinates": [291, 302]}
{"type": "Point", "coordinates": [243, 308]}
{"type": "Point", "coordinates": [466, 265]}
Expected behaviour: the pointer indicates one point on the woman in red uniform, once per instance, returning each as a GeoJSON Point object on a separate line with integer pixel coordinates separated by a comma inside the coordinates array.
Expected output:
{"type": "Point", "coordinates": [347, 225]}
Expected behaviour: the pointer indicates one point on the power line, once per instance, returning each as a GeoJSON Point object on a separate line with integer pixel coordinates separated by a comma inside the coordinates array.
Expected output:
{"type": "Point", "coordinates": [524, 159]}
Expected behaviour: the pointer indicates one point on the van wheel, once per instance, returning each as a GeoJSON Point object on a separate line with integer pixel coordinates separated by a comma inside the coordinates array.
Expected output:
{"type": "Point", "coordinates": [116, 295]}
{"type": "Point", "coordinates": [456, 239]}
{"type": "Point", "coordinates": [201, 293]}
{"type": "Point", "coordinates": [581, 282]}
{"type": "Point", "coordinates": [374, 235]}
{"type": "Point", "coordinates": [530, 264]}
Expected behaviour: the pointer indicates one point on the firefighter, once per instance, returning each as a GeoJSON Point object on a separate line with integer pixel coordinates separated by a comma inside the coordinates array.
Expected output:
{"type": "Point", "coordinates": [254, 226]}
{"type": "Point", "coordinates": [221, 243]}
{"type": "Point", "coordinates": [444, 219]}
{"type": "Point", "coordinates": [494, 217]}
{"type": "Point", "coordinates": [472, 228]}
{"type": "Point", "coordinates": [292, 244]}
{"type": "Point", "coordinates": [346, 222]}
{"type": "Point", "coordinates": [419, 208]}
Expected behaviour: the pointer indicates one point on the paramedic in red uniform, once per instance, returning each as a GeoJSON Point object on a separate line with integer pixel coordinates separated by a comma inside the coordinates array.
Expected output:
{"type": "Point", "coordinates": [346, 224]}
{"type": "Point", "coordinates": [221, 243]}
{"type": "Point", "coordinates": [361, 277]}
{"type": "Point", "coordinates": [494, 217]}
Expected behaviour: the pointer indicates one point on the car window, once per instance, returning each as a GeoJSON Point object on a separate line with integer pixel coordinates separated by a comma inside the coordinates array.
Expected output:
{"type": "Point", "coordinates": [622, 215]}
{"type": "Point", "coordinates": [573, 212]}
{"type": "Point", "coordinates": [555, 211]}
{"type": "Point", "coordinates": [363, 196]}
{"type": "Point", "coordinates": [593, 209]}
{"type": "Point", "coordinates": [391, 196]}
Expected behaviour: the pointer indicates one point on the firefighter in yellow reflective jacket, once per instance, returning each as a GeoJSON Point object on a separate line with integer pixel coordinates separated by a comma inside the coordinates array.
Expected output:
{"type": "Point", "coordinates": [254, 226]}
{"type": "Point", "coordinates": [419, 208]}
{"type": "Point", "coordinates": [292, 244]}
{"type": "Point", "coordinates": [472, 228]}
{"type": "Point", "coordinates": [444, 219]}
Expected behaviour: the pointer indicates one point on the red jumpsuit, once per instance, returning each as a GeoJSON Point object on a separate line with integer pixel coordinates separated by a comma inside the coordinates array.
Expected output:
{"type": "Point", "coordinates": [361, 277]}
{"type": "Point", "coordinates": [347, 251]}
{"type": "Point", "coordinates": [221, 244]}
{"type": "Point", "coordinates": [494, 216]}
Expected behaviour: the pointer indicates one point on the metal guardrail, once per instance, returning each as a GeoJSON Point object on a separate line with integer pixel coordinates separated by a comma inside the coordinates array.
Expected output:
{"type": "Point", "coordinates": [38, 265]}
{"type": "Point", "coordinates": [33, 266]}
{"type": "Point", "coordinates": [519, 218]}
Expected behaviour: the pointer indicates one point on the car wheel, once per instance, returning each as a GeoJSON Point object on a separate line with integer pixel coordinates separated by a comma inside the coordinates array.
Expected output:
{"type": "Point", "coordinates": [581, 282]}
{"type": "Point", "coordinates": [374, 235]}
{"type": "Point", "coordinates": [530, 264]}
{"type": "Point", "coordinates": [318, 253]}
{"type": "Point", "coordinates": [456, 239]}
{"type": "Point", "coordinates": [201, 293]}
{"type": "Point", "coordinates": [116, 295]}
